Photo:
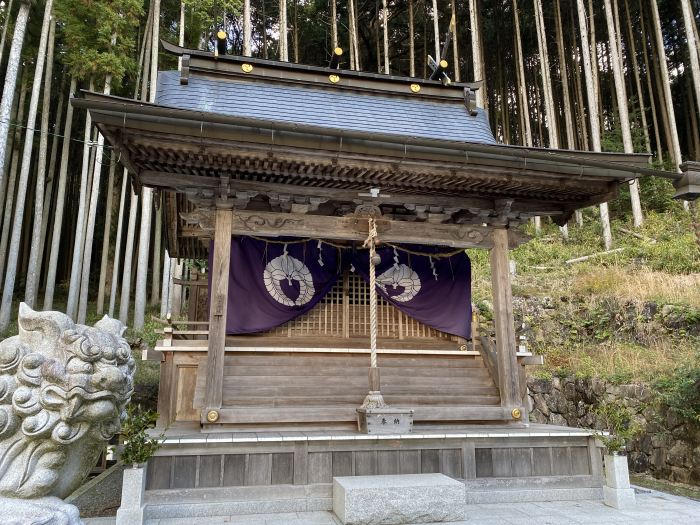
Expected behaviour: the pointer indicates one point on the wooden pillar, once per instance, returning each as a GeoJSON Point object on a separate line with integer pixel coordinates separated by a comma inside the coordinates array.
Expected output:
{"type": "Point", "coordinates": [213, 389]}
{"type": "Point", "coordinates": [504, 324]}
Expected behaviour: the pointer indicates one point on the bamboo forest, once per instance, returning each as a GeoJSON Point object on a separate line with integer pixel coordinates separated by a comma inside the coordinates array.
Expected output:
{"type": "Point", "coordinates": [590, 75]}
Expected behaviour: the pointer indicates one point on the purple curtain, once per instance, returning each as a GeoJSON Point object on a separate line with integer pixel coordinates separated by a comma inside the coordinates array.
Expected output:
{"type": "Point", "coordinates": [433, 290]}
{"type": "Point", "coordinates": [271, 283]}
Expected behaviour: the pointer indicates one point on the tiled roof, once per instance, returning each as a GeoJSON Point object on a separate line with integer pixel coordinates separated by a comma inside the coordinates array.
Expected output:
{"type": "Point", "coordinates": [334, 108]}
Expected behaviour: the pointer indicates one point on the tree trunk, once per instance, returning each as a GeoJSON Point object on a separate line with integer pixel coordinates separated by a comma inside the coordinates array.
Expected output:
{"type": "Point", "coordinates": [284, 55]}
{"type": "Point", "coordinates": [476, 52]}
{"type": "Point", "coordinates": [334, 24]}
{"type": "Point", "coordinates": [385, 20]}
{"type": "Point", "coordinates": [520, 73]}
{"type": "Point", "coordinates": [436, 31]}
{"type": "Point", "coordinates": [166, 286]}
{"type": "Point", "coordinates": [155, 281]}
{"type": "Point", "coordinates": [92, 215]}
{"type": "Point", "coordinates": [11, 183]}
{"type": "Point", "coordinates": [4, 29]}
{"type": "Point", "coordinates": [666, 83]}
{"type": "Point", "coordinates": [552, 128]}
{"type": "Point", "coordinates": [118, 245]}
{"type": "Point", "coordinates": [655, 120]}
{"type": "Point", "coordinates": [594, 62]}
{"type": "Point", "coordinates": [246, 27]}
{"type": "Point", "coordinates": [455, 45]}
{"type": "Point", "coordinates": [621, 94]}
{"type": "Point", "coordinates": [411, 42]}
{"type": "Point", "coordinates": [180, 37]}
{"type": "Point", "coordinates": [104, 256]}
{"type": "Point", "coordinates": [11, 141]}
{"type": "Point", "coordinates": [352, 35]}
{"type": "Point", "coordinates": [13, 252]}
{"type": "Point", "coordinates": [147, 193]}
{"type": "Point", "coordinates": [637, 80]}
{"type": "Point", "coordinates": [563, 71]}
{"type": "Point", "coordinates": [689, 22]}
{"type": "Point", "coordinates": [34, 267]}
{"type": "Point", "coordinates": [296, 31]}
{"type": "Point", "coordinates": [78, 242]}
{"type": "Point", "coordinates": [128, 258]}
{"type": "Point", "coordinates": [60, 202]}
{"type": "Point", "coordinates": [8, 91]}
{"type": "Point", "coordinates": [593, 112]}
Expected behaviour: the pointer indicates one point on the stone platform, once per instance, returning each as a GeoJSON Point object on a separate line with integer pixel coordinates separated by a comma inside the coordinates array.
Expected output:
{"type": "Point", "coordinates": [398, 499]}
{"type": "Point", "coordinates": [292, 471]}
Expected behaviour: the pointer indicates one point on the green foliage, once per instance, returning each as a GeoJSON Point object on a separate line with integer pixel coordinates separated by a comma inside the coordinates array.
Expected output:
{"type": "Point", "coordinates": [139, 447]}
{"type": "Point", "coordinates": [619, 422]}
{"type": "Point", "coordinates": [99, 36]}
{"type": "Point", "coordinates": [681, 391]}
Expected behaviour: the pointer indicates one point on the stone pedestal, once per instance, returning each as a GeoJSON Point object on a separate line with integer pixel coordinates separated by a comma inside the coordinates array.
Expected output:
{"type": "Point", "coordinates": [131, 511]}
{"type": "Point", "coordinates": [398, 500]}
{"type": "Point", "coordinates": [49, 511]}
{"type": "Point", "coordinates": [617, 492]}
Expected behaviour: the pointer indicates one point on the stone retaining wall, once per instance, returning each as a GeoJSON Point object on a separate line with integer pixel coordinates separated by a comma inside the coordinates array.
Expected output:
{"type": "Point", "coordinates": [668, 447]}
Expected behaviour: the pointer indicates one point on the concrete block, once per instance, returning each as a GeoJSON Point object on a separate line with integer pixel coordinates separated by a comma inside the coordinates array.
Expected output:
{"type": "Point", "coordinates": [398, 499]}
{"type": "Point", "coordinates": [617, 474]}
{"type": "Point", "coordinates": [619, 498]}
{"type": "Point", "coordinates": [131, 511]}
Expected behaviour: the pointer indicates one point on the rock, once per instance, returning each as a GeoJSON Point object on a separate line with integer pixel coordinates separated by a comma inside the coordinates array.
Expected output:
{"type": "Point", "coordinates": [638, 462]}
{"type": "Point", "coordinates": [66, 387]}
{"type": "Point", "coordinates": [658, 458]}
{"type": "Point", "coordinates": [556, 402]}
{"type": "Point", "coordinates": [667, 310]}
{"type": "Point", "coordinates": [680, 455]}
{"type": "Point", "coordinates": [557, 419]}
{"type": "Point", "coordinates": [649, 310]}
{"type": "Point", "coordinates": [538, 417]}
{"type": "Point", "coordinates": [541, 404]}
{"type": "Point", "coordinates": [680, 475]}
{"type": "Point", "coordinates": [48, 510]}
{"type": "Point", "coordinates": [672, 420]}
{"type": "Point", "coordinates": [598, 386]}
{"type": "Point", "coordinates": [570, 390]}
{"type": "Point", "coordinates": [581, 409]}
{"type": "Point", "coordinates": [547, 303]}
{"type": "Point", "coordinates": [540, 386]}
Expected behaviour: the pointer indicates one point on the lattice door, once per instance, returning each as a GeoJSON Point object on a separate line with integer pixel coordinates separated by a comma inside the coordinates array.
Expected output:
{"type": "Point", "coordinates": [344, 312]}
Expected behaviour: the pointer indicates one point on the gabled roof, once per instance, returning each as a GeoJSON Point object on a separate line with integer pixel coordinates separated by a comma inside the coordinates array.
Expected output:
{"type": "Point", "coordinates": [332, 106]}
{"type": "Point", "coordinates": [280, 137]}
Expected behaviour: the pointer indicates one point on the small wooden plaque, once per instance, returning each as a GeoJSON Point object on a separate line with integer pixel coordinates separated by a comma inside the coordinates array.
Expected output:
{"type": "Point", "coordinates": [387, 420]}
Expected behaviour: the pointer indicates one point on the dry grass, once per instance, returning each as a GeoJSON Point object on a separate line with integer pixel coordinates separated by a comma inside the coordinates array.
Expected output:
{"type": "Point", "coordinates": [640, 284]}
{"type": "Point", "coordinates": [624, 361]}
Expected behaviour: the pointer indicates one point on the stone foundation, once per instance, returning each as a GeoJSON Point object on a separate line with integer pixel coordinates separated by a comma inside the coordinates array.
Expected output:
{"type": "Point", "coordinates": [668, 448]}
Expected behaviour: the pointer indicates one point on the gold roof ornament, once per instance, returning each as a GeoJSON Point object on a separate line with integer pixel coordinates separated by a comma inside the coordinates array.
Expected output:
{"type": "Point", "coordinates": [246, 68]}
{"type": "Point", "coordinates": [334, 79]}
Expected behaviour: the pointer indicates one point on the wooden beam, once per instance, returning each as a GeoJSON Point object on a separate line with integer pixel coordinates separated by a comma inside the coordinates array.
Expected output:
{"type": "Point", "coordinates": [213, 394]}
{"type": "Point", "coordinates": [508, 380]}
{"type": "Point", "coordinates": [352, 228]}
{"type": "Point", "coordinates": [179, 181]}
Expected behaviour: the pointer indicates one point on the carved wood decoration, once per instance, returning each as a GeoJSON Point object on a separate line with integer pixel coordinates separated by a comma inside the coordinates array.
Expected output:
{"type": "Point", "coordinates": [351, 228]}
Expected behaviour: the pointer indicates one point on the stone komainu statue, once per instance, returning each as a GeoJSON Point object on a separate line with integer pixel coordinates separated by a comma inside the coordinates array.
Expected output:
{"type": "Point", "coordinates": [63, 391]}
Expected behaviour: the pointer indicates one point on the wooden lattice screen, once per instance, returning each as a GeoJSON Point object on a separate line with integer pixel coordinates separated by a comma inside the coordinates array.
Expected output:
{"type": "Point", "coordinates": [344, 312]}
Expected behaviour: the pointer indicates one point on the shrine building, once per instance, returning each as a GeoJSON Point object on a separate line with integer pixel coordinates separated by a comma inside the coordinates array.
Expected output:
{"type": "Point", "coordinates": [301, 186]}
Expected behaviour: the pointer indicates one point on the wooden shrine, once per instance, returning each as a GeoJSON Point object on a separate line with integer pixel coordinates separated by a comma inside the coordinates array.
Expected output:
{"type": "Point", "coordinates": [241, 146]}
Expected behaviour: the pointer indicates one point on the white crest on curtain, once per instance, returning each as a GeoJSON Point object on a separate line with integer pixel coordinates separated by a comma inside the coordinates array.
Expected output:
{"type": "Point", "coordinates": [286, 267]}
{"type": "Point", "coordinates": [400, 276]}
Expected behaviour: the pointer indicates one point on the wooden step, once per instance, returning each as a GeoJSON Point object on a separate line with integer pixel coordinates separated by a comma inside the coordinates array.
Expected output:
{"type": "Point", "coordinates": [399, 400]}
{"type": "Point", "coordinates": [352, 360]}
{"type": "Point", "coordinates": [232, 390]}
{"type": "Point", "coordinates": [349, 414]}
{"type": "Point", "coordinates": [345, 371]}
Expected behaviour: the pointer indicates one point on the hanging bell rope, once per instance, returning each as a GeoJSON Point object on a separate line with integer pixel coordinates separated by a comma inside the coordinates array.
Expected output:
{"type": "Point", "coordinates": [370, 242]}
{"type": "Point", "coordinates": [374, 397]}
